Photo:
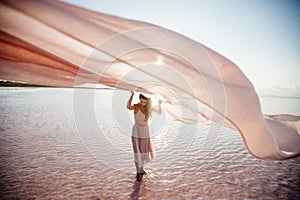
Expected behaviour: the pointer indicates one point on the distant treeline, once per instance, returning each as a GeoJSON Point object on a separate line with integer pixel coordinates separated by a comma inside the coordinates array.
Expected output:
{"type": "Point", "coordinates": [16, 84]}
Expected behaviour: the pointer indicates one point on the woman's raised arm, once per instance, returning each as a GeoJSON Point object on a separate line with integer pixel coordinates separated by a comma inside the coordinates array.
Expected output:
{"type": "Point", "coordinates": [129, 106]}
{"type": "Point", "coordinates": [158, 111]}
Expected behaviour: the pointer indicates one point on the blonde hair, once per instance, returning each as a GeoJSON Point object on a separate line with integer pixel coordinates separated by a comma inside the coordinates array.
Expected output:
{"type": "Point", "coordinates": [148, 106]}
{"type": "Point", "coordinates": [148, 109]}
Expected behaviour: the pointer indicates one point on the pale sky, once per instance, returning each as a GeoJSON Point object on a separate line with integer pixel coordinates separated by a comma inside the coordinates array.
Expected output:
{"type": "Point", "coordinates": [260, 36]}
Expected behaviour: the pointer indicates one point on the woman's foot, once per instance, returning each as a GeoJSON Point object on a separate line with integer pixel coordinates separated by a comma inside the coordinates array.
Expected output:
{"type": "Point", "coordinates": [139, 176]}
{"type": "Point", "coordinates": [143, 172]}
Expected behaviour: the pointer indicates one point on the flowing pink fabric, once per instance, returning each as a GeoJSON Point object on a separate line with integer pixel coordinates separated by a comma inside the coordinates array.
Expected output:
{"type": "Point", "coordinates": [58, 44]}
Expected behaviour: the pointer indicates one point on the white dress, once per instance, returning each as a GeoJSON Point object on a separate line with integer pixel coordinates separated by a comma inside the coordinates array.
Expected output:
{"type": "Point", "coordinates": [141, 143]}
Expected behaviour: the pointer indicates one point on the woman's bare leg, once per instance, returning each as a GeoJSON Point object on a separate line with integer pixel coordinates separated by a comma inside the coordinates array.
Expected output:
{"type": "Point", "coordinates": [139, 172]}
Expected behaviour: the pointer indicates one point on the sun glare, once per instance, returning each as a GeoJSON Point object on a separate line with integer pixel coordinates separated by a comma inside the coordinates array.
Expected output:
{"type": "Point", "coordinates": [160, 60]}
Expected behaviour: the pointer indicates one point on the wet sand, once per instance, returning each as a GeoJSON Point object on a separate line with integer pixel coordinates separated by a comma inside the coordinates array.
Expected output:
{"type": "Point", "coordinates": [51, 149]}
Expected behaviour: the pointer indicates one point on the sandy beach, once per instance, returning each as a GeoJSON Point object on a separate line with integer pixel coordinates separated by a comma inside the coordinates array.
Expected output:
{"type": "Point", "coordinates": [46, 153]}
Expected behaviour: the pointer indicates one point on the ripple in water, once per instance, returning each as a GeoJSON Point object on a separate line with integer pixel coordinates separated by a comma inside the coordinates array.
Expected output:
{"type": "Point", "coordinates": [46, 155]}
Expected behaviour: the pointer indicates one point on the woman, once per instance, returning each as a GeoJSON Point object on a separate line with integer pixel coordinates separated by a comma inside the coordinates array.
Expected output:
{"type": "Point", "coordinates": [141, 143]}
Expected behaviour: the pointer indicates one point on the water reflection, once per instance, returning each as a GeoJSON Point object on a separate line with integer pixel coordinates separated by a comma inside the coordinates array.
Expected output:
{"type": "Point", "coordinates": [136, 190]}
{"type": "Point", "coordinates": [42, 157]}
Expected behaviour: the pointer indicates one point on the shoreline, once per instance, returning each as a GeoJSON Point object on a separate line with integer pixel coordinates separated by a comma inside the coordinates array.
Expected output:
{"type": "Point", "coordinates": [11, 85]}
{"type": "Point", "coordinates": [17, 88]}
{"type": "Point", "coordinates": [32, 87]}
{"type": "Point", "coordinates": [21, 88]}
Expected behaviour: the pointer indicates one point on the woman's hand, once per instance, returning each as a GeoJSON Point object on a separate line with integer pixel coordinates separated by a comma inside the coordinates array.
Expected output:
{"type": "Point", "coordinates": [159, 101]}
{"type": "Point", "coordinates": [158, 111]}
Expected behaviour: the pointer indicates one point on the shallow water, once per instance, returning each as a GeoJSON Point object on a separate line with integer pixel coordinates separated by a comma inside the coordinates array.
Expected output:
{"type": "Point", "coordinates": [280, 105]}
{"type": "Point", "coordinates": [57, 144]}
